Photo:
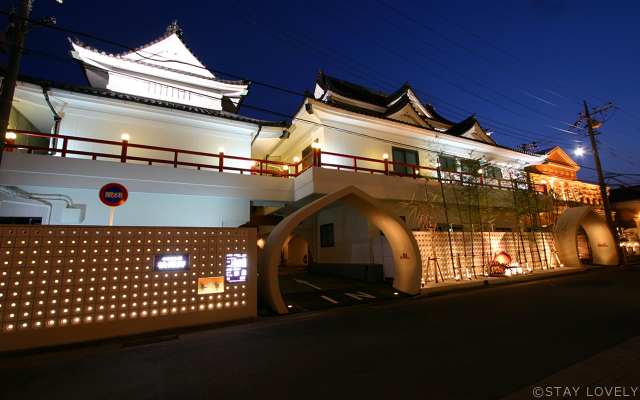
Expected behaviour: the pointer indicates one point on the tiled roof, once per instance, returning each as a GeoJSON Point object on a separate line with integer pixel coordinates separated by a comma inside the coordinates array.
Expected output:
{"type": "Point", "coordinates": [463, 127]}
{"type": "Point", "coordinates": [400, 104]}
{"type": "Point", "coordinates": [99, 92]}
{"type": "Point", "coordinates": [351, 90]}
{"type": "Point", "coordinates": [172, 29]}
{"type": "Point", "coordinates": [398, 93]}
{"type": "Point", "coordinates": [381, 116]}
{"type": "Point", "coordinates": [437, 116]}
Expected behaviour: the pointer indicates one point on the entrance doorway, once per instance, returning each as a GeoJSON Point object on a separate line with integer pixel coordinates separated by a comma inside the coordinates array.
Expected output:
{"type": "Point", "coordinates": [404, 247]}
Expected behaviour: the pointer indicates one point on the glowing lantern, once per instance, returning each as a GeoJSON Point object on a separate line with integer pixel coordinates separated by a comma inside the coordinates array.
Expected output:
{"type": "Point", "coordinates": [502, 258]}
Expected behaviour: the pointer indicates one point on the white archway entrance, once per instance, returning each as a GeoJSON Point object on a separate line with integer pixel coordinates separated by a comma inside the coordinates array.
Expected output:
{"type": "Point", "coordinates": [602, 241]}
{"type": "Point", "coordinates": [403, 244]}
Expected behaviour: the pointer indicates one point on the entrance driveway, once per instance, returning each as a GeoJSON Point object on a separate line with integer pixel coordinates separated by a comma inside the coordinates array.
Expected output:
{"type": "Point", "coordinates": [304, 291]}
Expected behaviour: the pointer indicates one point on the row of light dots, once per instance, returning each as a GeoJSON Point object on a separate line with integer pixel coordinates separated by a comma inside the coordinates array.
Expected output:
{"type": "Point", "coordinates": [123, 315]}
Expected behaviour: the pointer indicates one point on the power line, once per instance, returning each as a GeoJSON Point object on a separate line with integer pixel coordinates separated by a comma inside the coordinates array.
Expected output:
{"type": "Point", "coordinates": [387, 77]}
{"type": "Point", "coordinates": [310, 122]}
{"type": "Point", "coordinates": [514, 73]}
{"type": "Point", "coordinates": [503, 51]}
{"type": "Point", "coordinates": [455, 72]}
{"type": "Point", "coordinates": [537, 136]}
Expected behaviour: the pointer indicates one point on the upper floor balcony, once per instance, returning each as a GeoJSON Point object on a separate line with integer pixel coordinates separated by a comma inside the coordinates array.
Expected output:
{"type": "Point", "coordinates": [125, 152]}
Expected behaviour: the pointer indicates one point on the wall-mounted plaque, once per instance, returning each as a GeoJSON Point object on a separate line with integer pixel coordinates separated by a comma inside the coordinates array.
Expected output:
{"type": "Point", "coordinates": [211, 285]}
{"type": "Point", "coordinates": [236, 268]}
{"type": "Point", "coordinates": [171, 262]}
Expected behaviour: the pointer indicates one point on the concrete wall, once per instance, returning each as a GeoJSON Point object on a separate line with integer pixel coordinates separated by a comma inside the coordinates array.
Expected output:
{"type": "Point", "coordinates": [69, 284]}
{"type": "Point", "coordinates": [351, 238]}
{"type": "Point", "coordinates": [141, 209]}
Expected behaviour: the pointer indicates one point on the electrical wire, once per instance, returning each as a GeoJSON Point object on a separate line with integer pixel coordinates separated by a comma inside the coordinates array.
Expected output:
{"type": "Point", "coordinates": [449, 69]}
{"type": "Point", "coordinates": [395, 9]}
{"type": "Point", "coordinates": [505, 52]}
{"type": "Point", "coordinates": [260, 83]}
{"type": "Point", "coordinates": [332, 127]}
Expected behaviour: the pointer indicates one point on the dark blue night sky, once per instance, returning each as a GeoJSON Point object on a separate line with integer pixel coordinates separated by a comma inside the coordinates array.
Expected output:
{"type": "Point", "coordinates": [524, 67]}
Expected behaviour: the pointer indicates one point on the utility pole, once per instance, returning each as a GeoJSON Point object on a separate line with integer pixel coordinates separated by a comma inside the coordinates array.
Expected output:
{"type": "Point", "coordinates": [603, 186]}
{"type": "Point", "coordinates": [528, 147]}
{"type": "Point", "coordinates": [19, 30]}
{"type": "Point", "coordinates": [594, 149]}
{"type": "Point", "coordinates": [11, 72]}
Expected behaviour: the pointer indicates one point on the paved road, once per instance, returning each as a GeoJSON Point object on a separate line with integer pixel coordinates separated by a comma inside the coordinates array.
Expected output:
{"type": "Point", "coordinates": [485, 344]}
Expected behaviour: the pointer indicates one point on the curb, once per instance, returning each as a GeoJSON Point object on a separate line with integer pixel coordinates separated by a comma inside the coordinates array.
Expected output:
{"type": "Point", "coordinates": [481, 283]}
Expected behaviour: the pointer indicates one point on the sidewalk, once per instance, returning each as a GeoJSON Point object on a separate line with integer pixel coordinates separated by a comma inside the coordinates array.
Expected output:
{"type": "Point", "coordinates": [613, 373]}
{"type": "Point", "coordinates": [466, 284]}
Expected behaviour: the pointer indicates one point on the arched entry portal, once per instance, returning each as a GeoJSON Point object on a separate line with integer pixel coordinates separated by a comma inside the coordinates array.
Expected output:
{"type": "Point", "coordinates": [566, 237]}
{"type": "Point", "coordinates": [403, 244]}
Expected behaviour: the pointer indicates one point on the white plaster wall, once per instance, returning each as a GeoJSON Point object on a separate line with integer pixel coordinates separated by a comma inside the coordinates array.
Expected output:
{"type": "Point", "coordinates": [151, 209]}
{"type": "Point", "coordinates": [108, 119]}
{"type": "Point", "coordinates": [296, 250]}
{"type": "Point", "coordinates": [25, 208]}
{"type": "Point", "coordinates": [351, 235]}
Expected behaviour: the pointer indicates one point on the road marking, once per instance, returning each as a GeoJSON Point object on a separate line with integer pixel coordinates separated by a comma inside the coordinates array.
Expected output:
{"type": "Point", "coordinates": [359, 295]}
{"type": "Point", "coordinates": [307, 283]}
{"type": "Point", "coordinates": [329, 299]}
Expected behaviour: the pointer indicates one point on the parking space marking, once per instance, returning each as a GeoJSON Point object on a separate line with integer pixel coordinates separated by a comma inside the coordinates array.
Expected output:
{"type": "Point", "coordinates": [360, 295]}
{"type": "Point", "coordinates": [306, 283]}
{"type": "Point", "coordinates": [329, 299]}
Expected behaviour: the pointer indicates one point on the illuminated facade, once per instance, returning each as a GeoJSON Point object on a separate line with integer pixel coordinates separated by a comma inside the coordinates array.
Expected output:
{"type": "Point", "coordinates": [556, 177]}
{"type": "Point", "coordinates": [177, 114]}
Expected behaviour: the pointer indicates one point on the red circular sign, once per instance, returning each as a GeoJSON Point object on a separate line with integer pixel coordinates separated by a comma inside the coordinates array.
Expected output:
{"type": "Point", "coordinates": [113, 194]}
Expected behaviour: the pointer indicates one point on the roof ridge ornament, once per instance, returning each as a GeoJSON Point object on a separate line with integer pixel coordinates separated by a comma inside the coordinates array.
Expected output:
{"type": "Point", "coordinates": [173, 28]}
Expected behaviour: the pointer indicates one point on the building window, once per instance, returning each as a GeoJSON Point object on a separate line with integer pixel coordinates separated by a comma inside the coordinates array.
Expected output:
{"type": "Point", "coordinates": [406, 157]}
{"type": "Point", "coordinates": [469, 167]}
{"type": "Point", "coordinates": [448, 164]}
{"type": "Point", "coordinates": [307, 150]}
{"type": "Point", "coordinates": [326, 235]}
{"type": "Point", "coordinates": [493, 172]}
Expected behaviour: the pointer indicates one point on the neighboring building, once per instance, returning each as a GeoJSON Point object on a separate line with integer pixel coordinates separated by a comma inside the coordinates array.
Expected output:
{"type": "Point", "coordinates": [625, 202]}
{"type": "Point", "coordinates": [556, 177]}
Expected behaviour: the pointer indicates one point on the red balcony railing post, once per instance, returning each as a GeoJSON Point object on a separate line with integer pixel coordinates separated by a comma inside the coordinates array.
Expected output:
{"type": "Point", "coordinates": [319, 158]}
{"type": "Point", "coordinates": [65, 143]}
{"type": "Point", "coordinates": [10, 139]}
{"type": "Point", "coordinates": [175, 159]}
{"type": "Point", "coordinates": [123, 154]}
{"type": "Point", "coordinates": [221, 161]}
{"type": "Point", "coordinates": [386, 165]}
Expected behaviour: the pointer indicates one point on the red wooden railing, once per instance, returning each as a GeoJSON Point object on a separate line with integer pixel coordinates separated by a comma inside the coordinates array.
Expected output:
{"type": "Point", "coordinates": [252, 166]}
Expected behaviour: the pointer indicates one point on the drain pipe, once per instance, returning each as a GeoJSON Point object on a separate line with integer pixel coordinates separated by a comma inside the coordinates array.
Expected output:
{"type": "Point", "coordinates": [257, 133]}
{"type": "Point", "coordinates": [56, 117]}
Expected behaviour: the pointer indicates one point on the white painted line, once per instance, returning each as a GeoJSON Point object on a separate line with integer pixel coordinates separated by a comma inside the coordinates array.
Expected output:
{"type": "Point", "coordinates": [329, 299]}
{"type": "Point", "coordinates": [307, 283]}
{"type": "Point", "coordinates": [359, 295]}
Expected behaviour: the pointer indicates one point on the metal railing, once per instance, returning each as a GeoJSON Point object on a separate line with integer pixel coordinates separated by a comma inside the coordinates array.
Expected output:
{"type": "Point", "coordinates": [243, 165]}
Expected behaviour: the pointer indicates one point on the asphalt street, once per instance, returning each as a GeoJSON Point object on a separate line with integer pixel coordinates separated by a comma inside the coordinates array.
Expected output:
{"type": "Point", "coordinates": [483, 344]}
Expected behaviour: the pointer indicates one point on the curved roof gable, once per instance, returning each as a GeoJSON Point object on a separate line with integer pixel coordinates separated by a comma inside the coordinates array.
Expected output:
{"type": "Point", "coordinates": [470, 128]}
{"type": "Point", "coordinates": [169, 53]}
